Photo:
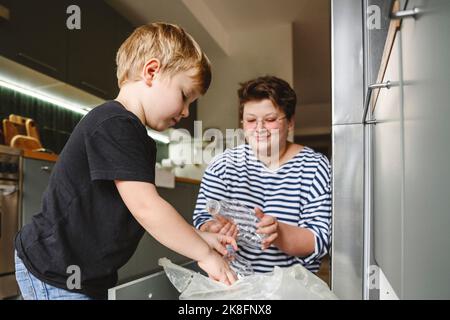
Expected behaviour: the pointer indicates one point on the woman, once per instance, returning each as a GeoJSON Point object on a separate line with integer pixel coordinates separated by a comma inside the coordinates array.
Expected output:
{"type": "Point", "coordinates": [288, 184]}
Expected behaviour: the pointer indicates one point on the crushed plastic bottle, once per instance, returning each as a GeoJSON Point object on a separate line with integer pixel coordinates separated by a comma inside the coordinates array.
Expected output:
{"type": "Point", "coordinates": [244, 218]}
{"type": "Point", "coordinates": [239, 265]}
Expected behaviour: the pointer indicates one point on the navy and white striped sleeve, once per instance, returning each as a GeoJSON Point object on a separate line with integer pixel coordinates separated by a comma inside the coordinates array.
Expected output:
{"type": "Point", "coordinates": [213, 186]}
{"type": "Point", "coordinates": [316, 212]}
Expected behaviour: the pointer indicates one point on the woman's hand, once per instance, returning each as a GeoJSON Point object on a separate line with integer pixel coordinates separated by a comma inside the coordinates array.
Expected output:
{"type": "Point", "coordinates": [267, 225]}
{"type": "Point", "coordinates": [218, 241]}
{"type": "Point", "coordinates": [217, 268]}
{"type": "Point", "coordinates": [220, 225]}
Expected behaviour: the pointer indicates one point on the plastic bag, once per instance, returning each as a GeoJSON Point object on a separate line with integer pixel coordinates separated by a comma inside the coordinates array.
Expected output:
{"type": "Point", "coordinates": [293, 283]}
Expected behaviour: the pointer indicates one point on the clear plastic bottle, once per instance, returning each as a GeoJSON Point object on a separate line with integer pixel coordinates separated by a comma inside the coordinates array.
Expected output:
{"type": "Point", "coordinates": [244, 218]}
{"type": "Point", "coordinates": [239, 265]}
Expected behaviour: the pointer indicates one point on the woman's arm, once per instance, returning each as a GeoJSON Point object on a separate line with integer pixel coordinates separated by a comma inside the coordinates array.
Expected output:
{"type": "Point", "coordinates": [295, 241]}
{"type": "Point", "coordinates": [311, 237]}
{"type": "Point", "coordinates": [292, 240]}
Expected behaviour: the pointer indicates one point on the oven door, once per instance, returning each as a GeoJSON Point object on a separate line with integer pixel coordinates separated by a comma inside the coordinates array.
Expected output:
{"type": "Point", "coordinates": [9, 225]}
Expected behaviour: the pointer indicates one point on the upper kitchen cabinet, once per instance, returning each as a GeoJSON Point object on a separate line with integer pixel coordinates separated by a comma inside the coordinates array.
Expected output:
{"type": "Point", "coordinates": [34, 35]}
{"type": "Point", "coordinates": [123, 31]}
{"type": "Point", "coordinates": [37, 34]}
{"type": "Point", "coordinates": [92, 49]}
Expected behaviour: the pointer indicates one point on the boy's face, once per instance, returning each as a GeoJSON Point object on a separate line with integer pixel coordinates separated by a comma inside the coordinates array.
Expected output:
{"type": "Point", "coordinates": [168, 97]}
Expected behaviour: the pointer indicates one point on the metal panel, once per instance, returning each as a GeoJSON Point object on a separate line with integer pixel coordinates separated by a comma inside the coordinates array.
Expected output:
{"type": "Point", "coordinates": [388, 176]}
{"type": "Point", "coordinates": [36, 175]}
{"type": "Point", "coordinates": [347, 248]}
{"type": "Point", "coordinates": [347, 61]}
{"type": "Point", "coordinates": [426, 73]}
{"type": "Point", "coordinates": [155, 286]}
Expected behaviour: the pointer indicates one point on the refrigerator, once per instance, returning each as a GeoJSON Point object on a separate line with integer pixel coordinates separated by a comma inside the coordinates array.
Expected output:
{"type": "Point", "coordinates": [390, 135]}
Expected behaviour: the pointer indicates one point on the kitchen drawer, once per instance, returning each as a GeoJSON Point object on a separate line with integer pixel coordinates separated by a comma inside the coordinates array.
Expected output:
{"type": "Point", "coordinates": [155, 287]}
{"type": "Point", "coordinates": [36, 176]}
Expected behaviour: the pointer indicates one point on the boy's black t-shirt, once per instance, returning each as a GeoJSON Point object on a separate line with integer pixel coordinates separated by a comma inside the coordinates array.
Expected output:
{"type": "Point", "coordinates": [83, 221]}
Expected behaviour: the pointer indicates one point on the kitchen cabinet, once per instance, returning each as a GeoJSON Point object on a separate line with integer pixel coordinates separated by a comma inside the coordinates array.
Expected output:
{"type": "Point", "coordinates": [426, 82]}
{"type": "Point", "coordinates": [387, 173]}
{"type": "Point", "coordinates": [92, 50]}
{"type": "Point", "coordinates": [145, 259]}
{"type": "Point", "coordinates": [36, 175]}
{"type": "Point", "coordinates": [155, 286]}
{"type": "Point", "coordinates": [410, 152]}
{"type": "Point", "coordinates": [34, 35]}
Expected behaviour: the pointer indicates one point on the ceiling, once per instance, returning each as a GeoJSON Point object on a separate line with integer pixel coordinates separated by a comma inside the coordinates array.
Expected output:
{"type": "Point", "coordinates": [312, 36]}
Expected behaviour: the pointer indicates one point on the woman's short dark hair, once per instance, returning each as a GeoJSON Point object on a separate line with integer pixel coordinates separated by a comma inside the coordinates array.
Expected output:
{"type": "Point", "coordinates": [268, 87]}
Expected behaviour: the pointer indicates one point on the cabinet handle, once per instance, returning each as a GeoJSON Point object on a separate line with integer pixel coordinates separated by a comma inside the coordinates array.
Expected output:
{"type": "Point", "coordinates": [413, 13]}
{"type": "Point", "coordinates": [91, 86]}
{"type": "Point", "coordinates": [46, 168]}
{"type": "Point", "coordinates": [386, 85]}
{"type": "Point", "coordinates": [36, 61]}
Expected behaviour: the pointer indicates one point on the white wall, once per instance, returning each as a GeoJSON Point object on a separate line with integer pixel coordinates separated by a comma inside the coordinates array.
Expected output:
{"type": "Point", "coordinates": [252, 53]}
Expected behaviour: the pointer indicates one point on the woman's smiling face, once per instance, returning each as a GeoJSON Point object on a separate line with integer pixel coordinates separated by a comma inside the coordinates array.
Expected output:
{"type": "Point", "coordinates": [266, 126]}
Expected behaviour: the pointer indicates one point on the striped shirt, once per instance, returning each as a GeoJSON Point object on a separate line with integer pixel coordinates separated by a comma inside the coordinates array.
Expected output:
{"type": "Point", "coordinates": [298, 193]}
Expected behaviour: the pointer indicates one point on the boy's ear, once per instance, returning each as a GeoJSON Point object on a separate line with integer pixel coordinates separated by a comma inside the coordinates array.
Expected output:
{"type": "Point", "coordinates": [151, 67]}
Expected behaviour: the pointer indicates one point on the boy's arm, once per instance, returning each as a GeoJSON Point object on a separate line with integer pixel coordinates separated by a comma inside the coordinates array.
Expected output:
{"type": "Point", "coordinates": [164, 223]}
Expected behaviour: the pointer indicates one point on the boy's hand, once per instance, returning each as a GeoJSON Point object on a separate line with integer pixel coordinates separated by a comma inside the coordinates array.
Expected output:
{"type": "Point", "coordinates": [220, 225]}
{"type": "Point", "coordinates": [218, 241]}
{"type": "Point", "coordinates": [217, 268]}
{"type": "Point", "coordinates": [267, 225]}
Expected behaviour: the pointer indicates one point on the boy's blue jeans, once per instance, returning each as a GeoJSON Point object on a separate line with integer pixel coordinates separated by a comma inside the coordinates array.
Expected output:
{"type": "Point", "coordinates": [35, 289]}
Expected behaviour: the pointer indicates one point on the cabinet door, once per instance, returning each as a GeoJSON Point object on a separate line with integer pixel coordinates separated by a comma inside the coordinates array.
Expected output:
{"type": "Point", "coordinates": [36, 175]}
{"type": "Point", "coordinates": [426, 74]}
{"type": "Point", "coordinates": [91, 56]}
{"type": "Point", "coordinates": [387, 174]}
{"type": "Point", "coordinates": [35, 35]}
{"type": "Point", "coordinates": [145, 258]}
{"type": "Point", "coordinates": [123, 31]}
{"type": "Point", "coordinates": [155, 286]}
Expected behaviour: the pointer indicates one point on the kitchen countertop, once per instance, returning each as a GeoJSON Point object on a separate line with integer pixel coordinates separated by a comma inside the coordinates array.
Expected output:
{"type": "Point", "coordinates": [39, 155]}
{"type": "Point", "coordinates": [53, 157]}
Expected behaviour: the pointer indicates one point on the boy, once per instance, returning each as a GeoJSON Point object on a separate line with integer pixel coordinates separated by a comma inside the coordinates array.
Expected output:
{"type": "Point", "coordinates": [101, 195]}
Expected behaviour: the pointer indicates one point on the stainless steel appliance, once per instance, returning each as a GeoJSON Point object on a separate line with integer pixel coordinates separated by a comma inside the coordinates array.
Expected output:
{"type": "Point", "coordinates": [391, 75]}
{"type": "Point", "coordinates": [9, 218]}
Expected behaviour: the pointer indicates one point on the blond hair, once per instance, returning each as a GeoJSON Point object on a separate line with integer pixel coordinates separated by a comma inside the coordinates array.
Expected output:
{"type": "Point", "coordinates": [175, 49]}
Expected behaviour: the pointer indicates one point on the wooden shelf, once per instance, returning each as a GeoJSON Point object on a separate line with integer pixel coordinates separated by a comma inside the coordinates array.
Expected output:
{"type": "Point", "coordinates": [40, 155]}
{"type": "Point", "coordinates": [187, 180]}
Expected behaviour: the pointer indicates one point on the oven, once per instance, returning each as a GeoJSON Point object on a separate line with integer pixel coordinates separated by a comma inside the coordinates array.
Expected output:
{"type": "Point", "coordinates": [9, 218]}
